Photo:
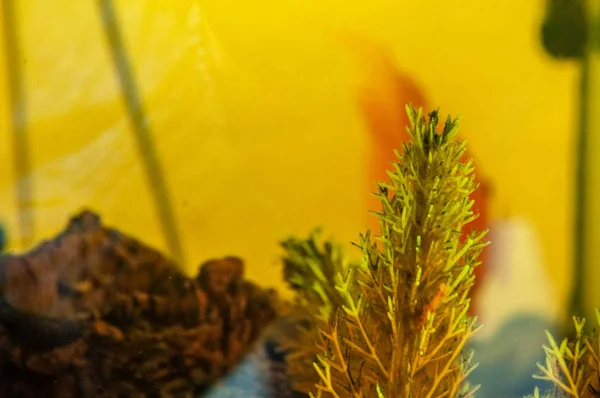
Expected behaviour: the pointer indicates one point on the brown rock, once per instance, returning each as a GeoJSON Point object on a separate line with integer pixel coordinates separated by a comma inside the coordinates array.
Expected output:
{"type": "Point", "coordinates": [94, 313]}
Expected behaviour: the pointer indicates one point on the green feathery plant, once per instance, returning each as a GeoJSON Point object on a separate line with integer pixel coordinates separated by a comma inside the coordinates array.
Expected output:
{"type": "Point", "coordinates": [573, 366]}
{"type": "Point", "coordinates": [395, 325]}
{"type": "Point", "coordinates": [309, 268]}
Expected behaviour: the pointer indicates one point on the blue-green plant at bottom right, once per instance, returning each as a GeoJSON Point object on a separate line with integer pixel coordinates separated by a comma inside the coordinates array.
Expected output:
{"type": "Point", "coordinates": [573, 366]}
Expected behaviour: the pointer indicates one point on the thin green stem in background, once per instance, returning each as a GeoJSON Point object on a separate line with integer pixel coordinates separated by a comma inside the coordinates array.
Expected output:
{"type": "Point", "coordinates": [147, 149]}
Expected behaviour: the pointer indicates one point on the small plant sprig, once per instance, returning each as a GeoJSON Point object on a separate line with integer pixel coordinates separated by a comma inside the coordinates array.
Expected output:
{"type": "Point", "coordinates": [309, 267]}
{"type": "Point", "coordinates": [573, 366]}
{"type": "Point", "coordinates": [397, 323]}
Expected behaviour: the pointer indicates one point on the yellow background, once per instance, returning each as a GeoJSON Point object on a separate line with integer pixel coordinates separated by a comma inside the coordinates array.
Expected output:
{"type": "Point", "coordinates": [252, 105]}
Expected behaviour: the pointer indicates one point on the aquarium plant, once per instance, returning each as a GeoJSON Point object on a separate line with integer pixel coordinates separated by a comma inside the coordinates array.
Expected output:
{"type": "Point", "coordinates": [395, 323]}
{"type": "Point", "coordinates": [573, 366]}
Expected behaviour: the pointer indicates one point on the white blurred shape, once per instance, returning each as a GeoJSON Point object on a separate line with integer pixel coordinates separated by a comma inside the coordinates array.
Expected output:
{"type": "Point", "coordinates": [516, 282]}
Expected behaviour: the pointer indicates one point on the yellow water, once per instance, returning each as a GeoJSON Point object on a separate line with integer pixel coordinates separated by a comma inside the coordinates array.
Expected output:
{"type": "Point", "coordinates": [252, 107]}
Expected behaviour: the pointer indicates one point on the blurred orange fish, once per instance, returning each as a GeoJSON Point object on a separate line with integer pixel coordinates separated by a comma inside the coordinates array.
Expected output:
{"type": "Point", "coordinates": [382, 100]}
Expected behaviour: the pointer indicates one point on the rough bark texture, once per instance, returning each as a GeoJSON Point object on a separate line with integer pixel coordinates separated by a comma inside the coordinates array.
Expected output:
{"type": "Point", "coordinates": [94, 313]}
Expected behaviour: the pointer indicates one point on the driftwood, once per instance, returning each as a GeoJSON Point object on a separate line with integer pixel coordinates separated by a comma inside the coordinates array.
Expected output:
{"type": "Point", "coordinates": [94, 313]}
